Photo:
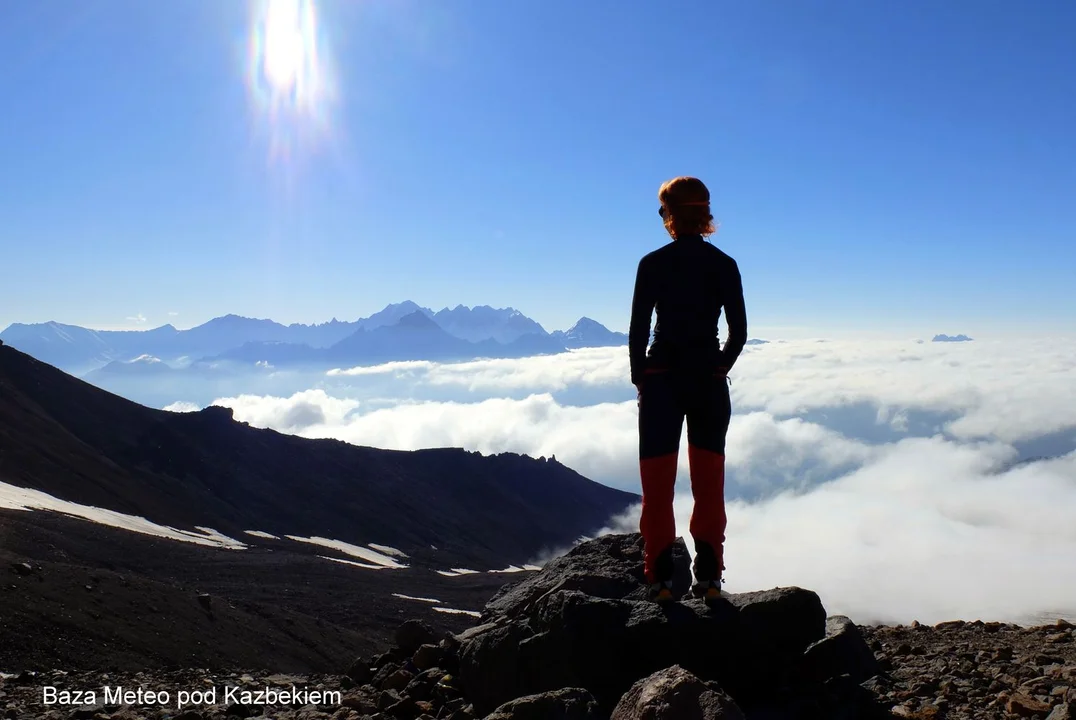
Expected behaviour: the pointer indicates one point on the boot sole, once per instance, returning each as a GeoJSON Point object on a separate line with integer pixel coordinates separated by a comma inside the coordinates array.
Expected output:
{"type": "Point", "coordinates": [708, 595]}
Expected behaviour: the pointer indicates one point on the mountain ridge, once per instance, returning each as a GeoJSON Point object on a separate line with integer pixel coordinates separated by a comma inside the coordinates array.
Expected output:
{"type": "Point", "coordinates": [72, 440]}
{"type": "Point", "coordinates": [80, 350]}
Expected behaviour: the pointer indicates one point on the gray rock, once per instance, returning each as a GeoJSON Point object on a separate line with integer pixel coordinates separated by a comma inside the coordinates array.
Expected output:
{"type": "Point", "coordinates": [1064, 711]}
{"type": "Point", "coordinates": [380, 660]}
{"type": "Point", "coordinates": [785, 621]}
{"type": "Point", "coordinates": [464, 713]}
{"type": "Point", "coordinates": [387, 699]}
{"type": "Point", "coordinates": [397, 680]}
{"type": "Point", "coordinates": [404, 708]}
{"type": "Point", "coordinates": [879, 686]}
{"type": "Point", "coordinates": [413, 634]}
{"type": "Point", "coordinates": [360, 671]}
{"type": "Point", "coordinates": [428, 656]}
{"type": "Point", "coordinates": [676, 694]}
{"type": "Point", "coordinates": [842, 650]}
{"type": "Point", "coordinates": [609, 567]}
{"type": "Point", "coordinates": [564, 704]}
{"type": "Point", "coordinates": [383, 674]}
{"type": "Point", "coordinates": [423, 685]}
{"type": "Point", "coordinates": [22, 568]}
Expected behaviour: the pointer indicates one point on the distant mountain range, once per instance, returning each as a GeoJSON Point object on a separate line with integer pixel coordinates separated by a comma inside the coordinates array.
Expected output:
{"type": "Point", "coordinates": [951, 338]}
{"type": "Point", "coordinates": [401, 331]}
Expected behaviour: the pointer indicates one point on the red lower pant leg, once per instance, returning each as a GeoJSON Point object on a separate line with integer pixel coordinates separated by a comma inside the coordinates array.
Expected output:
{"type": "Point", "coordinates": [657, 524]}
{"type": "Point", "coordinates": [708, 489]}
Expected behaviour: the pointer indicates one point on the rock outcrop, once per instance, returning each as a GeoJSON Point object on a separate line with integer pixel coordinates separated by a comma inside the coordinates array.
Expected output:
{"type": "Point", "coordinates": [579, 641]}
{"type": "Point", "coordinates": [842, 650]}
{"type": "Point", "coordinates": [565, 704]}
{"type": "Point", "coordinates": [609, 567]}
{"type": "Point", "coordinates": [676, 694]}
{"type": "Point", "coordinates": [583, 622]}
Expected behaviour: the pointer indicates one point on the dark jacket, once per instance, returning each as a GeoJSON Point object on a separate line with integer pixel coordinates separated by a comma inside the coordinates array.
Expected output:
{"type": "Point", "coordinates": [687, 281]}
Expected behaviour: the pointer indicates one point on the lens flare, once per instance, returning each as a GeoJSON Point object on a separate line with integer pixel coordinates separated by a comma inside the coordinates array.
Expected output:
{"type": "Point", "coordinates": [290, 76]}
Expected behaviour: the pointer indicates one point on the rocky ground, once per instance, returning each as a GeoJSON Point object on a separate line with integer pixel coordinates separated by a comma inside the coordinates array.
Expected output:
{"type": "Point", "coordinates": [976, 670]}
{"type": "Point", "coordinates": [81, 596]}
{"type": "Point", "coordinates": [952, 671]}
{"type": "Point", "coordinates": [577, 642]}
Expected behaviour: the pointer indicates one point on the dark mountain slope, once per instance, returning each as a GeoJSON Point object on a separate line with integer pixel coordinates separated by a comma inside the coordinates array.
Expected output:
{"type": "Point", "coordinates": [76, 594]}
{"type": "Point", "coordinates": [65, 437]}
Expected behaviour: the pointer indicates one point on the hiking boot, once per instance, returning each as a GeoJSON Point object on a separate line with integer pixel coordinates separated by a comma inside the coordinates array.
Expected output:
{"type": "Point", "coordinates": [708, 590]}
{"type": "Point", "coordinates": [662, 589]}
{"type": "Point", "coordinates": [707, 572]}
{"type": "Point", "coordinates": [661, 592]}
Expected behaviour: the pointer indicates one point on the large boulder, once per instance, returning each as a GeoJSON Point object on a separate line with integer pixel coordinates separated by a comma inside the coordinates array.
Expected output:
{"type": "Point", "coordinates": [676, 694]}
{"type": "Point", "coordinates": [582, 622]}
{"type": "Point", "coordinates": [564, 704]}
{"type": "Point", "coordinates": [609, 567]}
{"type": "Point", "coordinates": [842, 650]}
{"type": "Point", "coordinates": [413, 634]}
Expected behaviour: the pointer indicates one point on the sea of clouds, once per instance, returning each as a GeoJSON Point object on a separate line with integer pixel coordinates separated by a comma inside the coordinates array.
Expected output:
{"type": "Point", "coordinates": [901, 480]}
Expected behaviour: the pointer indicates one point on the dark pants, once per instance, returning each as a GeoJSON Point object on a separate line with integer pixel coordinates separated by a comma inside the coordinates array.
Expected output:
{"type": "Point", "coordinates": [666, 398]}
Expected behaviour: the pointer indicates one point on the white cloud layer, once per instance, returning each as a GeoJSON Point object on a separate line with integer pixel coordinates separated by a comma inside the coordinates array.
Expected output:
{"type": "Point", "coordinates": [930, 530]}
{"type": "Point", "coordinates": [884, 474]}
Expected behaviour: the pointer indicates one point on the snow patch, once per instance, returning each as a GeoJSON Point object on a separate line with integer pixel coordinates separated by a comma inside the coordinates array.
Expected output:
{"type": "Point", "coordinates": [516, 568]}
{"type": "Point", "coordinates": [259, 533]}
{"type": "Point", "coordinates": [17, 498]}
{"type": "Point", "coordinates": [212, 534]}
{"type": "Point", "coordinates": [146, 359]}
{"type": "Point", "coordinates": [420, 599]}
{"type": "Point", "coordinates": [367, 554]}
{"type": "Point", "coordinates": [386, 550]}
{"type": "Point", "coordinates": [352, 562]}
{"type": "Point", "coordinates": [454, 611]}
{"type": "Point", "coordinates": [454, 572]}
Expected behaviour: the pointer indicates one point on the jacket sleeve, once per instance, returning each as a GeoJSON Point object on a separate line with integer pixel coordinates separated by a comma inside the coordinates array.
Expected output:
{"type": "Point", "coordinates": [642, 308]}
{"type": "Point", "coordinates": [735, 316]}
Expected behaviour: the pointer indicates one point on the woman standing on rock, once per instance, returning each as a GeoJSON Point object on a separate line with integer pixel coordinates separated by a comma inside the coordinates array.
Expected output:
{"type": "Point", "coordinates": [687, 281]}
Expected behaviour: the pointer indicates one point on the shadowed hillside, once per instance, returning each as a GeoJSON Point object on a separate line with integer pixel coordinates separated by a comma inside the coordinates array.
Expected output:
{"type": "Point", "coordinates": [67, 438]}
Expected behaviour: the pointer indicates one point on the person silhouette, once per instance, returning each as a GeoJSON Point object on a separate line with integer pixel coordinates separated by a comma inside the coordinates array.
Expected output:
{"type": "Point", "coordinates": [682, 375]}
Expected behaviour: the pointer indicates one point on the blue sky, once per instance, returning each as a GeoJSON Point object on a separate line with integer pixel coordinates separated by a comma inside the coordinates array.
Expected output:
{"type": "Point", "coordinates": [885, 166]}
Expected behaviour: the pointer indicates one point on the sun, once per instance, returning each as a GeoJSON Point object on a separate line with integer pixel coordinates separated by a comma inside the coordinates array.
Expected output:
{"type": "Point", "coordinates": [289, 43]}
{"type": "Point", "coordinates": [289, 74]}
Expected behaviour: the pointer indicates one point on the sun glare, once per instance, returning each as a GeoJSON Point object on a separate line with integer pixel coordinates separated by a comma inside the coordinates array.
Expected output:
{"type": "Point", "coordinates": [290, 79]}
{"type": "Point", "coordinates": [288, 38]}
